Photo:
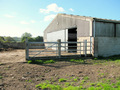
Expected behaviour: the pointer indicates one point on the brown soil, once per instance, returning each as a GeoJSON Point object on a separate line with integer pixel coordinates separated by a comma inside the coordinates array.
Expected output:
{"type": "Point", "coordinates": [19, 75]}
{"type": "Point", "coordinates": [12, 56]}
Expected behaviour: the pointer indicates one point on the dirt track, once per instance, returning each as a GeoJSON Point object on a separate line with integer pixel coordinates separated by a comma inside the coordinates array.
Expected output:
{"type": "Point", "coordinates": [12, 56]}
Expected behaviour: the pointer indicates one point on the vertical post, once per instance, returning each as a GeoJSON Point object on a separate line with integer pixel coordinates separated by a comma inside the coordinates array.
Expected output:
{"type": "Point", "coordinates": [65, 41]}
{"type": "Point", "coordinates": [27, 49]}
{"type": "Point", "coordinates": [95, 47]}
{"type": "Point", "coordinates": [94, 28]}
{"type": "Point", "coordinates": [114, 29]}
{"type": "Point", "coordinates": [90, 45]}
{"type": "Point", "coordinates": [59, 47]}
{"type": "Point", "coordinates": [80, 48]}
{"type": "Point", "coordinates": [56, 50]}
{"type": "Point", "coordinates": [85, 47]}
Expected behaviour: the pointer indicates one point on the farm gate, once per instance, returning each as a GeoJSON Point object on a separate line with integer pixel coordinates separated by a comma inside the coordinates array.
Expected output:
{"type": "Point", "coordinates": [45, 50]}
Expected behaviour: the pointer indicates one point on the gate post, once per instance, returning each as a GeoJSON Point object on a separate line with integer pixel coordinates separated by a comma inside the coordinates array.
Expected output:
{"type": "Point", "coordinates": [27, 49]}
{"type": "Point", "coordinates": [59, 47]}
{"type": "Point", "coordinates": [85, 47]}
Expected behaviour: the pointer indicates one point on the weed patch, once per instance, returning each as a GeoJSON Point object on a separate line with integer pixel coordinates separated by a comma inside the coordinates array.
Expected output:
{"type": "Point", "coordinates": [62, 80]}
{"type": "Point", "coordinates": [40, 61]}
{"type": "Point", "coordinates": [48, 86]}
{"type": "Point", "coordinates": [1, 77]}
{"type": "Point", "coordinates": [28, 80]}
{"type": "Point", "coordinates": [77, 61]}
{"type": "Point", "coordinates": [76, 79]}
{"type": "Point", "coordinates": [86, 78]}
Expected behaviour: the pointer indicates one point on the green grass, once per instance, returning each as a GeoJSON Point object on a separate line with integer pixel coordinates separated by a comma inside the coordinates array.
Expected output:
{"type": "Point", "coordinates": [86, 78]}
{"type": "Point", "coordinates": [1, 77]}
{"type": "Point", "coordinates": [77, 61]}
{"type": "Point", "coordinates": [99, 60]}
{"type": "Point", "coordinates": [48, 86]}
{"type": "Point", "coordinates": [82, 82]}
{"type": "Point", "coordinates": [62, 80]}
{"type": "Point", "coordinates": [101, 74]}
{"type": "Point", "coordinates": [68, 86]}
{"type": "Point", "coordinates": [95, 58]}
{"type": "Point", "coordinates": [76, 79]}
{"type": "Point", "coordinates": [93, 84]}
{"type": "Point", "coordinates": [40, 61]}
{"type": "Point", "coordinates": [28, 80]}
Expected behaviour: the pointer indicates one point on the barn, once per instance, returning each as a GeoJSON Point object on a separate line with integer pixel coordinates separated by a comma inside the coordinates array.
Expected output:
{"type": "Point", "coordinates": [103, 33]}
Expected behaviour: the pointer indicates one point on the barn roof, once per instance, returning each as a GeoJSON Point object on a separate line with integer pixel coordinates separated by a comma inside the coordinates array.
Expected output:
{"type": "Point", "coordinates": [93, 18]}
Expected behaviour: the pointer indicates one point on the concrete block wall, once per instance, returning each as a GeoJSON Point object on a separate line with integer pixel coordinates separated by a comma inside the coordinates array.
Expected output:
{"type": "Point", "coordinates": [108, 46]}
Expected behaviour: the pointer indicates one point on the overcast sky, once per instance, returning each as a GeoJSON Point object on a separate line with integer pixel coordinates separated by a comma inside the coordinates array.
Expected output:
{"type": "Point", "coordinates": [33, 16]}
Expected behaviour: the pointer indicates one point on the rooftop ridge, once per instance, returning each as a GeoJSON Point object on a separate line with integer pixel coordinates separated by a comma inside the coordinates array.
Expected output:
{"type": "Point", "coordinates": [91, 17]}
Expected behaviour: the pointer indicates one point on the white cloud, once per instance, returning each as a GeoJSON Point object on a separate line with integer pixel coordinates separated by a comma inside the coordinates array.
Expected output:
{"type": "Point", "coordinates": [9, 16]}
{"type": "Point", "coordinates": [49, 17]}
{"type": "Point", "coordinates": [71, 9]}
{"type": "Point", "coordinates": [52, 8]}
{"type": "Point", "coordinates": [32, 21]}
{"type": "Point", "coordinates": [24, 22]}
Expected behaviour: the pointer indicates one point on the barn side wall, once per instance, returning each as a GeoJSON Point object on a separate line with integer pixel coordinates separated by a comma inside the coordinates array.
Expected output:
{"type": "Point", "coordinates": [103, 29]}
{"type": "Point", "coordinates": [107, 46]}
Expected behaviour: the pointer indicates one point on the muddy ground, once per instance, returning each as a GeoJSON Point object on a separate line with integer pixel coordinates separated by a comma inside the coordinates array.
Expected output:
{"type": "Point", "coordinates": [16, 74]}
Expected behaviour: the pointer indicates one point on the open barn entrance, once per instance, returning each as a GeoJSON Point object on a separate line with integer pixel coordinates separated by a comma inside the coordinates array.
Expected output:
{"type": "Point", "coordinates": [72, 37]}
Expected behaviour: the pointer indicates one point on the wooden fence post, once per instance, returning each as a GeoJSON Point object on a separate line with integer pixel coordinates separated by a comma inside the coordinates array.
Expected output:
{"type": "Point", "coordinates": [27, 49]}
{"type": "Point", "coordinates": [59, 47]}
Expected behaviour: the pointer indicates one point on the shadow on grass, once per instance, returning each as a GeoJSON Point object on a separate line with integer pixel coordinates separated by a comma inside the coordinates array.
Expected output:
{"type": "Point", "coordinates": [58, 63]}
{"type": "Point", "coordinates": [73, 61]}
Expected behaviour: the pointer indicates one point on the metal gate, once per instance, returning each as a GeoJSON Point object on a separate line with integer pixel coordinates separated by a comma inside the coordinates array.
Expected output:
{"type": "Point", "coordinates": [45, 50]}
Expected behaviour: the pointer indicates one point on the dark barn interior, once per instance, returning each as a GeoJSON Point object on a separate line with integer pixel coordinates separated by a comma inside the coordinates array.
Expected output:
{"type": "Point", "coordinates": [72, 37]}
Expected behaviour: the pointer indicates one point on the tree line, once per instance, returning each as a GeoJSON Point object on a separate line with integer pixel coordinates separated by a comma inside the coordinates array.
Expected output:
{"type": "Point", "coordinates": [22, 38]}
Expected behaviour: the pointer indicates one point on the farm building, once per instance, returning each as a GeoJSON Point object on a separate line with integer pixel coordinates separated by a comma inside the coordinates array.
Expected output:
{"type": "Point", "coordinates": [103, 33]}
